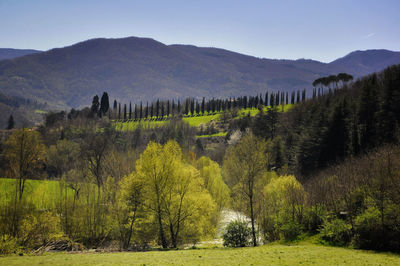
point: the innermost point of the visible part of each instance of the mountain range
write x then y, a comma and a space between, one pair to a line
142, 69
10, 53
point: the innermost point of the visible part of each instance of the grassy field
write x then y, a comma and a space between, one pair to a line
219, 134
42, 193
194, 121
273, 254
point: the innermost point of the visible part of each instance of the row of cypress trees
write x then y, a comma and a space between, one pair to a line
191, 107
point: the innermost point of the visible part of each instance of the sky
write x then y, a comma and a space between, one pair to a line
286, 29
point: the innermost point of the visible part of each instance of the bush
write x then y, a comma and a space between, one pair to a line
8, 245
291, 231
336, 232
371, 234
38, 230
237, 234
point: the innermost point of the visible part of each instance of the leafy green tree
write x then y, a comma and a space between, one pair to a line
210, 171
24, 154
244, 167
237, 234
173, 193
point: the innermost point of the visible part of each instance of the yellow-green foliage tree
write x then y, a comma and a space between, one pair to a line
25, 154
244, 169
173, 194
284, 205
210, 171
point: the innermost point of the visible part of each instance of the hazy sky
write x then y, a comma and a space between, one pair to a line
317, 29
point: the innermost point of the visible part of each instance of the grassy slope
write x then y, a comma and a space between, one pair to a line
194, 121
42, 193
273, 254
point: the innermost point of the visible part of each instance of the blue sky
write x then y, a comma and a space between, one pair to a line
317, 29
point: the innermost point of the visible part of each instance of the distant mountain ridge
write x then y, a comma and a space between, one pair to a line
142, 69
10, 53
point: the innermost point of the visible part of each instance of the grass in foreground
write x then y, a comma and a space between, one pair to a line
273, 254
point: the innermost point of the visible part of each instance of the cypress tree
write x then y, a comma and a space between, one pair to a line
95, 105
136, 112
277, 98
141, 111
168, 108
192, 107
119, 111
146, 114
115, 105
202, 105
10, 122
266, 98
179, 106
162, 110
104, 103
272, 99
151, 111
197, 108
124, 111
130, 110
157, 107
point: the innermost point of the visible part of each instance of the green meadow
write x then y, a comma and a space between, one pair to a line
270, 254
194, 121
44, 194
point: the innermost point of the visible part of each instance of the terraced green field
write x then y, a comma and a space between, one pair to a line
272, 254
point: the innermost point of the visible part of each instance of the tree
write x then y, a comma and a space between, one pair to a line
95, 105
210, 171
104, 103
244, 167
173, 192
10, 122
284, 203
25, 156
237, 234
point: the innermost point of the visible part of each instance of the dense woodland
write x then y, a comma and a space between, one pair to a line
329, 166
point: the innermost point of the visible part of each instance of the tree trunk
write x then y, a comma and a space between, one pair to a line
253, 231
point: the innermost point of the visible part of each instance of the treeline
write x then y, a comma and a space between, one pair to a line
343, 122
191, 107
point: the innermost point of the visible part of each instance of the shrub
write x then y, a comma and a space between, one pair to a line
37, 230
291, 231
8, 245
336, 232
371, 234
237, 234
